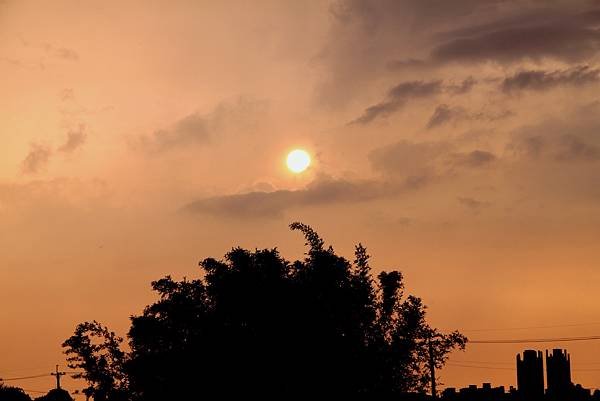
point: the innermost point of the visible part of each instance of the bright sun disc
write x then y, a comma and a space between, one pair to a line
298, 160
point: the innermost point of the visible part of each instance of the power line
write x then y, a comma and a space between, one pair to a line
25, 377
535, 340
22, 370
479, 367
483, 366
465, 361
554, 326
483, 362
69, 373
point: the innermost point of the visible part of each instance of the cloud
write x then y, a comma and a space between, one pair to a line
66, 54
372, 40
39, 155
52, 50
324, 190
474, 159
573, 148
197, 129
543, 80
67, 94
402, 93
405, 64
75, 139
190, 130
36, 160
530, 146
554, 147
464, 87
556, 160
40, 198
425, 160
443, 114
571, 137
397, 97
472, 204
408, 159
556, 32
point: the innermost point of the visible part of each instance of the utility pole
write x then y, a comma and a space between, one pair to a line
432, 368
58, 376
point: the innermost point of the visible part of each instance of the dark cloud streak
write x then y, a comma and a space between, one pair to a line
402, 93
322, 191
443, 114
543, 80
397, 97
571, 37
473, 159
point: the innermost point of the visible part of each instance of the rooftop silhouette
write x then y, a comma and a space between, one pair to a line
530, 382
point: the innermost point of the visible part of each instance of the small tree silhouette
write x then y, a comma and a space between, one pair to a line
256, 324
96, 351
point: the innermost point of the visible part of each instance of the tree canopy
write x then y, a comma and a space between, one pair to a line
255, 324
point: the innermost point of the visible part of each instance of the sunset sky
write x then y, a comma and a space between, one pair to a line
458, 140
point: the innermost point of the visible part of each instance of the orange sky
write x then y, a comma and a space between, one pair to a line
460, 143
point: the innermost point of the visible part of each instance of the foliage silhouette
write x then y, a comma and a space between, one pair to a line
256, 324
96, 351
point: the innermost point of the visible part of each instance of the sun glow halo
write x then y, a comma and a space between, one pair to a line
298, 160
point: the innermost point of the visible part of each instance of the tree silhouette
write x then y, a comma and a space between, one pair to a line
96, 351
256, 324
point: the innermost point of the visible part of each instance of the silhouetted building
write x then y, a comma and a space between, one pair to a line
473, 393
530, 379
530, 375
489, 393
558, 374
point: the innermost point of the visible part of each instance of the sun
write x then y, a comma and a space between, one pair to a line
298, 160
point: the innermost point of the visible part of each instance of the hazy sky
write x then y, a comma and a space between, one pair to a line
458, 140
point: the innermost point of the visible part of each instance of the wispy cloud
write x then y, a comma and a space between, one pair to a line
557, 32
397, 97
473, 159
322, 191
543, 80
201, 129
75, 139
402, 93
472, 203
36, 160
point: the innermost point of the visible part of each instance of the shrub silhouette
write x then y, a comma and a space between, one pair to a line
9, 393
56, 394
256, 324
